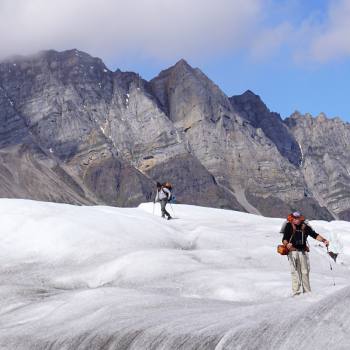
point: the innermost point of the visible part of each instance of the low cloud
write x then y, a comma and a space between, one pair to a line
166, 30
160, 29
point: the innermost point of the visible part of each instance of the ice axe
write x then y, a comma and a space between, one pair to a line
332, 255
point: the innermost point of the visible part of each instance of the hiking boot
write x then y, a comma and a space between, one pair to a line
169, 217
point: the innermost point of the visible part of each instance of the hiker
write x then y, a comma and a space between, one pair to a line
163, 196
295, 233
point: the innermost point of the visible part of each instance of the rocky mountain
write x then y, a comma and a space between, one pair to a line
73, 131
325, 145
252, 109
246, 156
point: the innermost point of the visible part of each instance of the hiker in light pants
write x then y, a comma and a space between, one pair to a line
295, 234
163, 195
300, 269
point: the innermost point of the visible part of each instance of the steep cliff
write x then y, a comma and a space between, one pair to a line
103, 130
325, 146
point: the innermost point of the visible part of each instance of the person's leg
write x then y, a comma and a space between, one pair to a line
162, 206
165, 211
294, 269
305, 271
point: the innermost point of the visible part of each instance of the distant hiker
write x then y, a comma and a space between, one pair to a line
163, 196
295, 233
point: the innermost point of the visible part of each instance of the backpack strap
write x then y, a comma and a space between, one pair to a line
303, 226
293, 232
291, 236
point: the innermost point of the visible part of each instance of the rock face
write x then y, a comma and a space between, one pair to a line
252, 109
247, 155
73, 131
325, 146
47, 100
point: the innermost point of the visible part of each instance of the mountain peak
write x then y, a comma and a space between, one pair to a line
179, 67
70, 57
65, 59
322, 117
248, 98
182, 63
296, 115
252, 97
249, 93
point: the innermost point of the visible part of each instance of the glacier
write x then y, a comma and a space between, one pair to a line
98, 277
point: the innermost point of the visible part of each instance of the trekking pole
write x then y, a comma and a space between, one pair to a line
172, 209
330, 265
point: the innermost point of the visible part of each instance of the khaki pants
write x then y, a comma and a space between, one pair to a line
300, 268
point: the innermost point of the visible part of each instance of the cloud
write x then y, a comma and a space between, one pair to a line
332, 37
161, 29
315, 35
166, 30
271, 40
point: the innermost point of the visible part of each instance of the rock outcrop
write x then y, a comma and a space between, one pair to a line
325, 147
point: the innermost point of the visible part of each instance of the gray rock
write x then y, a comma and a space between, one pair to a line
57, 101
252, 109
325, 145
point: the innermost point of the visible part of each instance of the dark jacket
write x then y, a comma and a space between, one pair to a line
300, 235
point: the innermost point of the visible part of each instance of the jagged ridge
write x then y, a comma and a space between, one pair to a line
99, 136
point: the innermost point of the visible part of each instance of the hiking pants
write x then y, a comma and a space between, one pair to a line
300, 268
163, 203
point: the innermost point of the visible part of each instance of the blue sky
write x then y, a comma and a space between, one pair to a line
295, 54
284, 84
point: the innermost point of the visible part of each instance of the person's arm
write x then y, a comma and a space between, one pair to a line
167, 192
288, 245
317, 236
322, 239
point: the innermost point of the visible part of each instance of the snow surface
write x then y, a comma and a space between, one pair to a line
123, 278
